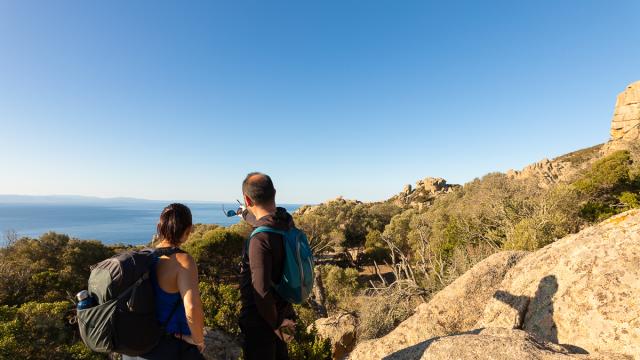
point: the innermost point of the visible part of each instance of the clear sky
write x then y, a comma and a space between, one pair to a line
179, 100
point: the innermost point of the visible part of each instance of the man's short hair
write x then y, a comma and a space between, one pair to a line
259, 188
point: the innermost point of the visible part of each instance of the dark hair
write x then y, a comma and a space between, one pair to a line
175, 219
259, 188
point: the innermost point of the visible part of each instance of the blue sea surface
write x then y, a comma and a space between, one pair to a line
127, 223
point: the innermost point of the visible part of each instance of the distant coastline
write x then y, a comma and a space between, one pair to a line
81, 199
116, 220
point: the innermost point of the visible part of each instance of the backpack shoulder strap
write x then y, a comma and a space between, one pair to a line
258, 230
261, 229
167, 251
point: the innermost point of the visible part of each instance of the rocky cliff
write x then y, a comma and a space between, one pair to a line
577, 296
625, 125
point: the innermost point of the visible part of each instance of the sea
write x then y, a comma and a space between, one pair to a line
111, 222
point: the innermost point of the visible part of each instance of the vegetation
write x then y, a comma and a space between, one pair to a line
40, 277
427, 247
406, 252
38, 280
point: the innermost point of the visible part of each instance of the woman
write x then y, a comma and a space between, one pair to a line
175, 281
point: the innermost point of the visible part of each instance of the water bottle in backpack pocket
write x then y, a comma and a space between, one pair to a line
85, 300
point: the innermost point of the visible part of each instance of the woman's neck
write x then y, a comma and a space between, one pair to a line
165, 243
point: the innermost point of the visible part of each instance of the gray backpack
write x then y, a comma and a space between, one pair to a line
124, 319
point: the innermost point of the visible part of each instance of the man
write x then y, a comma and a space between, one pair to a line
266, 320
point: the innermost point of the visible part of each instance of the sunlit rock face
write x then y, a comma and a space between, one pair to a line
625, 125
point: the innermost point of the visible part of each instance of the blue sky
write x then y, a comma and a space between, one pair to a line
179, 100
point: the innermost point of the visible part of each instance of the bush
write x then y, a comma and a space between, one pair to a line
307, 345
221, 305
608, 187
606, 175
341, 223
629, 200
51, 268
340, 285
381, 311
375, 248
217, 253
40, 331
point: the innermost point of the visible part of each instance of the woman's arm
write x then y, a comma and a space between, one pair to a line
188, 285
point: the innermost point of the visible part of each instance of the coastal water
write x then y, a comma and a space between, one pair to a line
128, 223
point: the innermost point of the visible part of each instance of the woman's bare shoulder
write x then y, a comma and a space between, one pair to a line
185, 260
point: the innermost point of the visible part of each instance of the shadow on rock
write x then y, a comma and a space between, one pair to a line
416, 351
535, 314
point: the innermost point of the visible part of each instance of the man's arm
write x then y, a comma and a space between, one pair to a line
261, 263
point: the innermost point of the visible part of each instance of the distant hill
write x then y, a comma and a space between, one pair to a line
83, 200
65, 199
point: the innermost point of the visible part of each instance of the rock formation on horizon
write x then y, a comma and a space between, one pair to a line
625, 125
424, 192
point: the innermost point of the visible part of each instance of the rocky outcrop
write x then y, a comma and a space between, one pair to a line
220, 346
424, 192
340, 329
455, 309
582, 290
546, 172
625, 125
495, 344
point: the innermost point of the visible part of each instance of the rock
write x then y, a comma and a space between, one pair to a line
494, 344
454, 309
340, 329
432, 185
582, 290
220, 346
547, 172
425, 192
625, 125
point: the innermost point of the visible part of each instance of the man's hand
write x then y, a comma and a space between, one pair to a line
286, 330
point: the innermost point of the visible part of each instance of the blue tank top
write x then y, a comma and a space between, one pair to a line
165, 302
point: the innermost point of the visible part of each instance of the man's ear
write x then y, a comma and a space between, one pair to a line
247, 200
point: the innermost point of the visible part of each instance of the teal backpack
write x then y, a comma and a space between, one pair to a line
297, 276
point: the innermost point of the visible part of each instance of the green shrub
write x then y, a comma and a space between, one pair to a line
307, 345
40, 331
51, 268
217, 253
375, 248
340, 285
629, 200
606, 175
341, 223
221, 305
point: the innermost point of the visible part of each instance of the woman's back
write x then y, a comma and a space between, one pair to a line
174, 276
169, 305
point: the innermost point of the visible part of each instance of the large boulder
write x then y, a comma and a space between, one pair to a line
582, 290
340, 329
454, 309
494, 344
